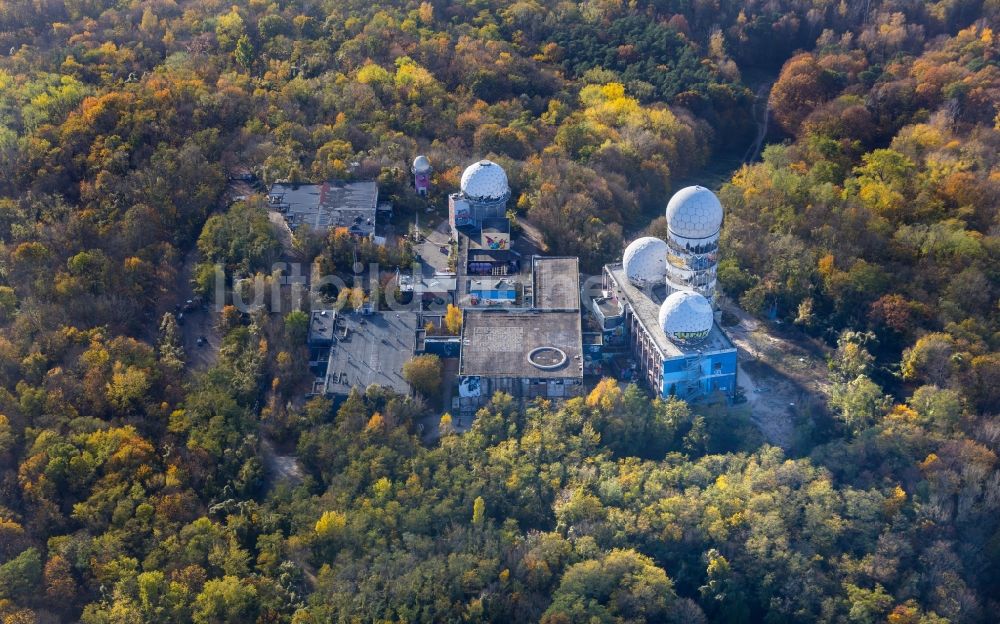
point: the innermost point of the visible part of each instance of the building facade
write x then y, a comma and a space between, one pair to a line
693, 370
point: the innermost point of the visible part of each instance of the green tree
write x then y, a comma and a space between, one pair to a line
20, 577
296, 327
620, 586
227, 600
423, 372
859, 403
478, 511
229, 29
244, 52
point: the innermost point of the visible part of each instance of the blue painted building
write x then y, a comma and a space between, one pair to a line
492, 291
692, 369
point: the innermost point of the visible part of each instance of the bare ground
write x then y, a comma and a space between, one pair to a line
280, 468
782, 380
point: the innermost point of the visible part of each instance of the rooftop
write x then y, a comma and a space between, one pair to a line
371, 349
350, 205
438, 285
492, 283
321, 325
609, 306
556, 282
645, 306
545, 345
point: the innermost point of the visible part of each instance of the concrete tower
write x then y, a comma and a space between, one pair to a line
484, 194
422, 175
694, 218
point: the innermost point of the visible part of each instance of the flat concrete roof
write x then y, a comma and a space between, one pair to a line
321, 325
645, 306
609, 306
371, 349
492, 283
556, 282
499, 344
350, 205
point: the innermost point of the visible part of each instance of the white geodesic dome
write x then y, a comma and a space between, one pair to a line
421, 164
645, 260
694, 212
686, 316
485, 180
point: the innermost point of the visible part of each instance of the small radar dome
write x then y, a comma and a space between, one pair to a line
421, 164
686, 317
694, 212
645, 260
484, 181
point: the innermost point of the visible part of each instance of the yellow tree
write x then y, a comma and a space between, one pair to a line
453, 319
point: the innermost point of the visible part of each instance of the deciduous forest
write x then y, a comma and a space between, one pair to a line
135, 488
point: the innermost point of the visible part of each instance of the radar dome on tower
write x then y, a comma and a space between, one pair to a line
694, 212
645, 260
421, 164
686, 317
485, 181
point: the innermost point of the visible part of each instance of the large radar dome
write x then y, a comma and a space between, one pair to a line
645, 260
694, 212
484, 181
421, 164
686, 317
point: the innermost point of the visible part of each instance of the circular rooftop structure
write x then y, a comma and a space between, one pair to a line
694, 212
547, 358
686, 317
645, 260
421, 164
485, 181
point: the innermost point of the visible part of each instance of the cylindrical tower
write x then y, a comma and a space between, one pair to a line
694, 218
484, 186
421, 174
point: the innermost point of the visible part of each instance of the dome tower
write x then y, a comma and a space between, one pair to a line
485, 182
694, 218
421, 174
484, 194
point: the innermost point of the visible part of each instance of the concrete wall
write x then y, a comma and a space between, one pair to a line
700, 376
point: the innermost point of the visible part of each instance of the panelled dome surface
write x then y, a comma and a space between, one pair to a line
421, 164
645, 260
694, 212
485, 180
686, 316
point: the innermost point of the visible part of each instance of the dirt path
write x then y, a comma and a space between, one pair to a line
762, 101
197, 323
281, 229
